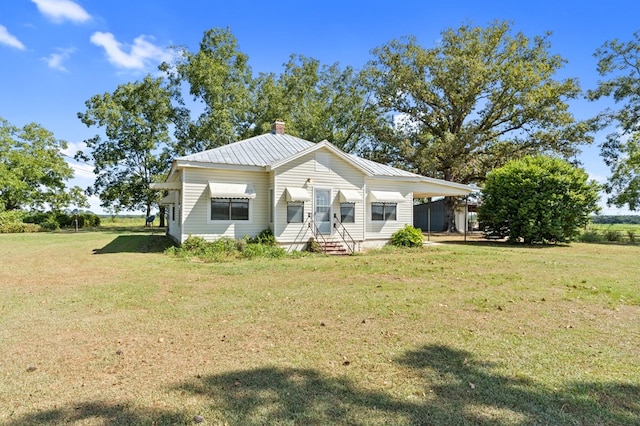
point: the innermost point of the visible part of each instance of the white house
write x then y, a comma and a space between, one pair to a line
298, 189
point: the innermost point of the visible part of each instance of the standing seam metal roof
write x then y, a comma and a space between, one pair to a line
257, 151
270, 148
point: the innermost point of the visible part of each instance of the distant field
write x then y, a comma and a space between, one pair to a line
123, 221
102, 328
629, 233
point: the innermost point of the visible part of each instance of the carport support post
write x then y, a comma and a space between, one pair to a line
429, 219
466, 219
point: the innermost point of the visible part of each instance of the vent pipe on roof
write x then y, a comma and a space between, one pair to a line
278, 127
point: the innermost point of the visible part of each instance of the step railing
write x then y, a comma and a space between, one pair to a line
309, 226
344, 234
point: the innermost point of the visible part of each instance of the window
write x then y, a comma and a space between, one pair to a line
347, 212
295, 212
383, 211
229, 209
173, 212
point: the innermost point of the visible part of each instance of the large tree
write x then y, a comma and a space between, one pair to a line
621, 150
316, 101
33, 172
136, 120
480, 97
219, 81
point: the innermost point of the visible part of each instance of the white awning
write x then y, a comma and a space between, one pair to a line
350, 196
386, 196
172, 198
297, 194
231, 190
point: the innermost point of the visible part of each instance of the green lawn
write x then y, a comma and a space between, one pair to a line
103, 328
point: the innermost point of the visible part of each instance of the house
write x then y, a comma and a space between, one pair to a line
296, 188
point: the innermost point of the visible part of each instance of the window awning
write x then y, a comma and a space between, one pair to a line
298, 194
172, 198
231, 190
386, 196
350, 196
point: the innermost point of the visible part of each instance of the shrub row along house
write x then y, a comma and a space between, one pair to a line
296, 188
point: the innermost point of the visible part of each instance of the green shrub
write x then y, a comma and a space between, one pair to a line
313, 246
265, 237
590, 237
613, 235
407, 237
537, 200
50, 224
87, 220
226, 248
66, 220
37, 218
18, 227
263, 250
52, 221
13, 216
631, 235
195, 245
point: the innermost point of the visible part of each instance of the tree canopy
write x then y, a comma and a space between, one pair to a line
621, 150
136, 119
536, 200
316, 101
219, 81
479, 98
33, 172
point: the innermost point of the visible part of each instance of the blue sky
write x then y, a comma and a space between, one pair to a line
56, 54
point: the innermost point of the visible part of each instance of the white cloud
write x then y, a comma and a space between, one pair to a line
8, 39
55, 60
60, 10
139, 54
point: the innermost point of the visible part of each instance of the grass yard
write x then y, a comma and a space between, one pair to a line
102, 328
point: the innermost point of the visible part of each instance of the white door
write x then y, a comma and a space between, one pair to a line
322, 211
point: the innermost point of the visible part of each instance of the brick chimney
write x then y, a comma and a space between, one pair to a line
278, 127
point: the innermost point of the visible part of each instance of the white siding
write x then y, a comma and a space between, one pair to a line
340, 175
196, 204
383, 230
173, 220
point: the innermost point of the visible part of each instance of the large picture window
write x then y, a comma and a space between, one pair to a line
295, 212
347, 212
383, 211
229, 209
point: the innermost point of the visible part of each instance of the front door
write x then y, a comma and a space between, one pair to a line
322, 216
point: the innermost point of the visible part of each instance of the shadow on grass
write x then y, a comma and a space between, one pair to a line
136, 244
456, 389
504, 244
141, 229
106, 413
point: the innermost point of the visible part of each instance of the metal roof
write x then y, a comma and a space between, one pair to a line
378, 169
259, 151
269, 148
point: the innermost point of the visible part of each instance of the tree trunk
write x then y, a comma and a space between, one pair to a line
449, 213
146, 222
163, 212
